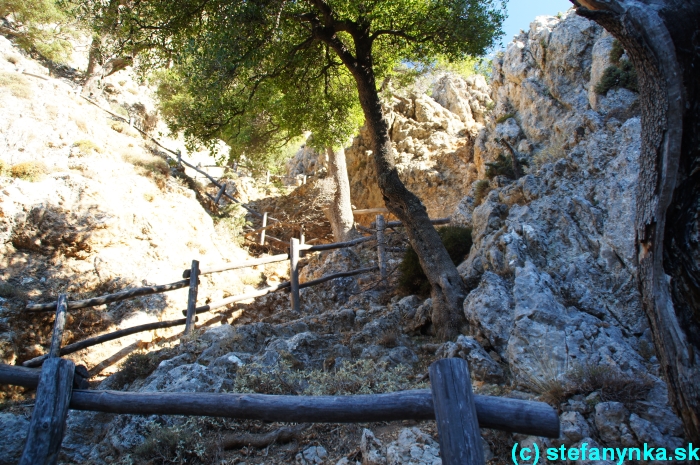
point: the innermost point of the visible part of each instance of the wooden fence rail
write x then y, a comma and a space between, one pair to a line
109, 298
84, 344
236, 266
526, 417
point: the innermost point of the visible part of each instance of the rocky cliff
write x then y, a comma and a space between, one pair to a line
554, 312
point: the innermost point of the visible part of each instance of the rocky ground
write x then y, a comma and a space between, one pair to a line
554, 313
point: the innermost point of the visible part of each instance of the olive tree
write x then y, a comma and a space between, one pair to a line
294, 43
662, 38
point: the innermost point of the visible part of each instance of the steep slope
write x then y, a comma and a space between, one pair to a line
88, 206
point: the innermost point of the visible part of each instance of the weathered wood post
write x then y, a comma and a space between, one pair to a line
52, 399
381, 247
267, 177
221, 192
179, 158
294, 273
262, 233
305, 178
302, 235
192, 297
455, 413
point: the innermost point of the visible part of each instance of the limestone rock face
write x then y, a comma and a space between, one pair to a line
553, 269
432, 137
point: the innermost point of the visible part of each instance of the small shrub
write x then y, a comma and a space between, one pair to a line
347, 378
612, 384
503, 166
17, 84
481, 190
86, 147
620, 74
504, 118
135, 366
29, 170
8, 291
149, 197
119, 110
151, 166
388, 339
170, 446
412, 280
231, 222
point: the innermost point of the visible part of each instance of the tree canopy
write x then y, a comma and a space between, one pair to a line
257, 74
308, 50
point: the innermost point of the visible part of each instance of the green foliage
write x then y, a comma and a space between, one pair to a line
503, 166
456, 239
620, 74
29, 170
481, 189
231, 221
257, 74
42, 25
504, 118
615, 76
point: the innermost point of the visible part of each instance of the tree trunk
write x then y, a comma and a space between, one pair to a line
662, 39
94, 68
448, 289
340, 211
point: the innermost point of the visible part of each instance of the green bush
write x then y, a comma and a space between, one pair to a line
412, 280
504, 118
503, 166
620, 74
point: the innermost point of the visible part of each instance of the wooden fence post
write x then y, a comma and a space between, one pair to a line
294, 273
302, 235
52, 399
381, 249
262, 233
267, 177
192, 298
221, 192
455, 413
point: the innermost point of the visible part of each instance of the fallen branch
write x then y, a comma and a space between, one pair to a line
280, 436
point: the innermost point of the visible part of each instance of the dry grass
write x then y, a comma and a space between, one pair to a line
481, 190
17, 84
87, 147
151, 166
358, 377
29, 170
3, 168
551, 153
555, 386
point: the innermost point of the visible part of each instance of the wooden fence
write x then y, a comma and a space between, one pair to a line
459, 414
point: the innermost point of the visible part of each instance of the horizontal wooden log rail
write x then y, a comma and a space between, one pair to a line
395, 224
525, 417
76, 346
367, 211
238, 298
342, 274
335, 245
236, 266
109, 298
